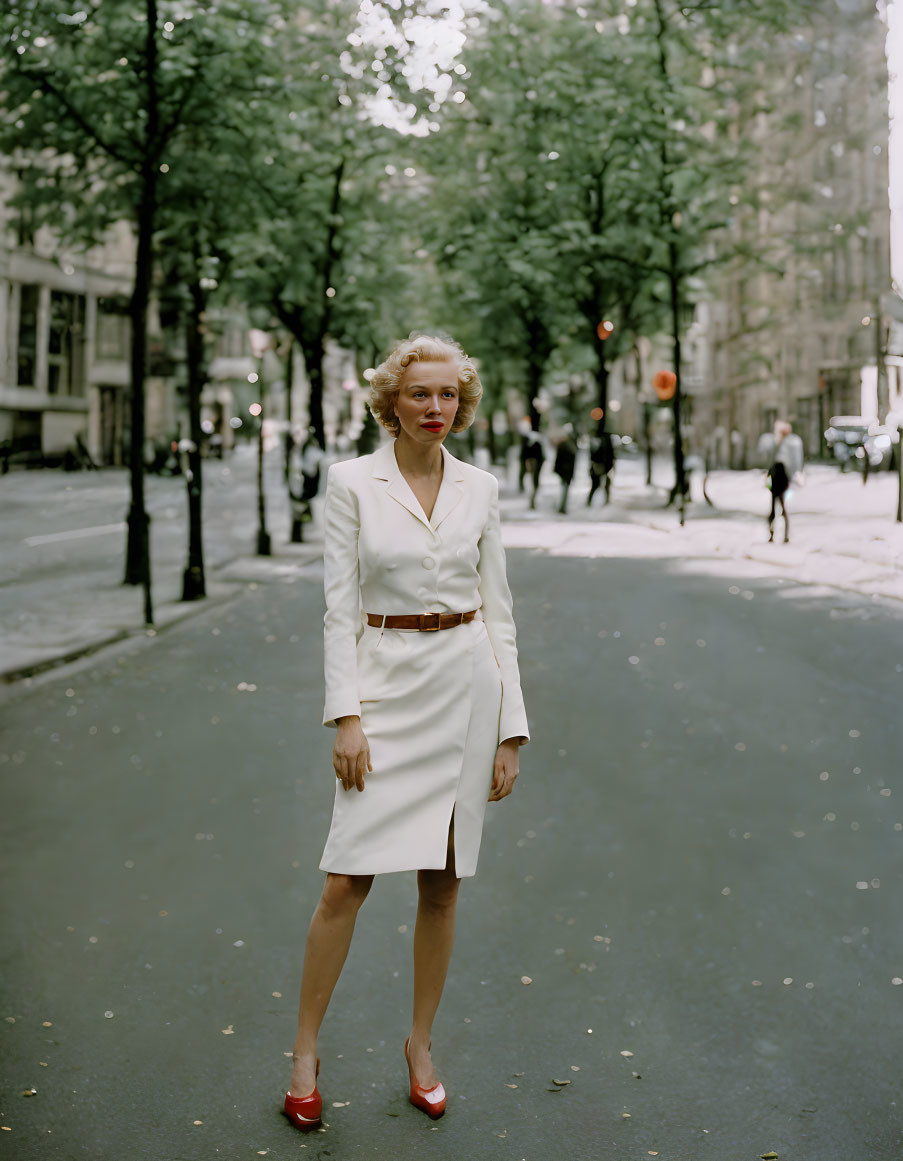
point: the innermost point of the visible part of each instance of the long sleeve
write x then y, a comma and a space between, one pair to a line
342, 622
499, 619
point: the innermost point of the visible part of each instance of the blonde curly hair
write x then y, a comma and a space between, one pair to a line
386, 380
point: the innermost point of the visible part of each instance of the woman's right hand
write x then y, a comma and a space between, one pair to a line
351, 753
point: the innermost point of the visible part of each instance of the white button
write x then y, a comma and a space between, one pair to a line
428, 562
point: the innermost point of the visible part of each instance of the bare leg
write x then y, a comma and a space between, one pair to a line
328, 940
786, 521
434, 937
771, 518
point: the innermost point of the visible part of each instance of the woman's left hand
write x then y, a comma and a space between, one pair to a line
505, 770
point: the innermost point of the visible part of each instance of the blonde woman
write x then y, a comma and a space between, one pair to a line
422, 687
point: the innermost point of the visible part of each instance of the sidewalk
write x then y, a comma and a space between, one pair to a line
63, 537
843, 533
61, 595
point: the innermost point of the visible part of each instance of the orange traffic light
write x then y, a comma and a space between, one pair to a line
665, 384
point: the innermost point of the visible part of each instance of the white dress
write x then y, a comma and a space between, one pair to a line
433, 705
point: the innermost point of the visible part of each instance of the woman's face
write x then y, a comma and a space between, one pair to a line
427, 401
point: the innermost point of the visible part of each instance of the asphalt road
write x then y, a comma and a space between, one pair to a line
700, 866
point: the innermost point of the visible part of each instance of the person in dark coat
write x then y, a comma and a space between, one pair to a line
601, 465
565, 460
532, 457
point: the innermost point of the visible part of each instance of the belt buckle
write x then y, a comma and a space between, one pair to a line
431, 628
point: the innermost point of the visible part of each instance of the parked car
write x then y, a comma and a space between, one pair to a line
860, 443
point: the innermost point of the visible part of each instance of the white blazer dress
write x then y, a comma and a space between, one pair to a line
433, 705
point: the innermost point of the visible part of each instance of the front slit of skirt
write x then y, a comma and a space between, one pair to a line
461, 770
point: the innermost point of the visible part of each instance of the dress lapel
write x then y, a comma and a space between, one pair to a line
450, 491
385, 467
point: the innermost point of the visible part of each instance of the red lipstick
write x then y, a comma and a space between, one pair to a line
433, 426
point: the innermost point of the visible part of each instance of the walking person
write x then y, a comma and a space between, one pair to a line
532, 457
565, 460
786, 463
422, 687
601, 465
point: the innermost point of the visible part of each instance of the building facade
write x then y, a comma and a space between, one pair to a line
794, 335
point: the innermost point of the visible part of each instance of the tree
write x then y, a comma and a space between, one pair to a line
96, 101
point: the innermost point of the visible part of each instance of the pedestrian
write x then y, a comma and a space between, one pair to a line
532, 457
565, 459
786, 463
304, 483
601, 465
422, 688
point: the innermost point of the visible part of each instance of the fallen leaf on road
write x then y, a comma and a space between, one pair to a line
769, 1157
627, 1052
526, 980
560, 1082
29, 1092
510, 1085
230, 1031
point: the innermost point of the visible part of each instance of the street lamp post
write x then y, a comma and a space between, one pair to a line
900, 472
260, 342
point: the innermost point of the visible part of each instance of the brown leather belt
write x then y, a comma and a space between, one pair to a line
425, 622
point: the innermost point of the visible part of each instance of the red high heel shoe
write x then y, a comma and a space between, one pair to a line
432, 1101
305, 1113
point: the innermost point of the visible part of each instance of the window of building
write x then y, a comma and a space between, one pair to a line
112, 335
66, 346
28, 334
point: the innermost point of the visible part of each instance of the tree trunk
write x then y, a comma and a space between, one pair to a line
289, 433
193, 584
314, 361
264, 546
137, 571
680, 483
646, 412
534, 383
601, 385
137, 568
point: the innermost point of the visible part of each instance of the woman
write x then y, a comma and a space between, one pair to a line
787, 463
422, 686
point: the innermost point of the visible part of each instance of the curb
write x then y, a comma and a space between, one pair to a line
8, 676
179, 611
191, 609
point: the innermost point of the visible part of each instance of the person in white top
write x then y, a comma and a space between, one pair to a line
422, 688
786, 465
